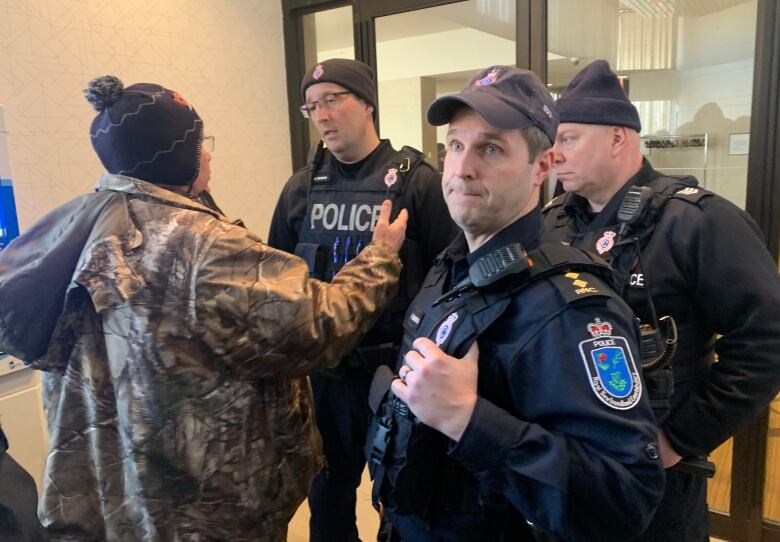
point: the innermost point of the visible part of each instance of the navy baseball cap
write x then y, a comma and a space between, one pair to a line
506, 97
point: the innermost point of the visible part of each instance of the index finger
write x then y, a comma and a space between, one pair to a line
425, 346
384, 212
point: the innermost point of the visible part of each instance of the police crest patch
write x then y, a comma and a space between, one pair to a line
606, 242
446, 327
391, 177
612, 373
318, 71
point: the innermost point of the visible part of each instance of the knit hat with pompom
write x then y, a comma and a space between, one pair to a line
145, 131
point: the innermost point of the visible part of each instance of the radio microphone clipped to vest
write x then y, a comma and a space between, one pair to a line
494, 266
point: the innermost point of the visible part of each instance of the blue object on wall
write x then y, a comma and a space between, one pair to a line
9, 224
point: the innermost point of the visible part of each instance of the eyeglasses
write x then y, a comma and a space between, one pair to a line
328, 101
209, 143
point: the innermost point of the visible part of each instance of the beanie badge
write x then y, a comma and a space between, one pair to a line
489, 79
318, 71
179, 99
547, 111
391, 177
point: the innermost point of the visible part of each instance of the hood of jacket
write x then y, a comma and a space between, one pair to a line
37, 269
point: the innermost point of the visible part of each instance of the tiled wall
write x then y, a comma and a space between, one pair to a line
225, 56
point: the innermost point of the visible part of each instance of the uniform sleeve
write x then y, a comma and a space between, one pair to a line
737, 290
288, 215
570, 463
430, 223
258, 311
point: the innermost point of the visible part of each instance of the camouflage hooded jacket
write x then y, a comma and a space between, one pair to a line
175, 347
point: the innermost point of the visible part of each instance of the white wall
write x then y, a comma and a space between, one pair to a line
226, 58
718, 38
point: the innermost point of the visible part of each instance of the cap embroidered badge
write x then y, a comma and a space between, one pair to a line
489, 79
318, 71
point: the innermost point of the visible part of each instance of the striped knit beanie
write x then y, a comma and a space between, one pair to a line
145, 131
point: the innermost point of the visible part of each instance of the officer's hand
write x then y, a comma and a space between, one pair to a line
387, 233
441, 390
669, 458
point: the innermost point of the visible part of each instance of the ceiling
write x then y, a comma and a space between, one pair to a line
680, 8
334, 27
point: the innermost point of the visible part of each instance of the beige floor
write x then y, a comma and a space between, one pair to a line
368, 521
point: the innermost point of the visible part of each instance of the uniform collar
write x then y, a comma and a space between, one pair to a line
577, 206
371, 163
525, 230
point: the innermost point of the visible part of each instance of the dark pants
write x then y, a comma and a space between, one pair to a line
343, 416
497, 527
18, 501
682, 515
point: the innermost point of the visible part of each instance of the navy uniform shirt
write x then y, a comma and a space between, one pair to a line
544, 439
706, 265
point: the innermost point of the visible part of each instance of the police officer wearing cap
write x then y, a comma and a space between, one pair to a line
694, 269
518, 411
326, 214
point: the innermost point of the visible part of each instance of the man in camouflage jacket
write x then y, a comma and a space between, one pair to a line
175, 344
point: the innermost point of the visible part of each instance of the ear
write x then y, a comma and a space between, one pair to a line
618, 139
542, 166
369, 109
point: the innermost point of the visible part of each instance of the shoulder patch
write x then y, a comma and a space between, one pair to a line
574, 286
610, 366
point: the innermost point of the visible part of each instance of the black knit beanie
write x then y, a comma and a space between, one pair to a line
595, 96
145, 131
353, 75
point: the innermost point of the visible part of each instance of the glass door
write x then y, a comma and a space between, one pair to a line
425, 53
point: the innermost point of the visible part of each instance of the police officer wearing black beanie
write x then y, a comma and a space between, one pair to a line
692, 266
325, 214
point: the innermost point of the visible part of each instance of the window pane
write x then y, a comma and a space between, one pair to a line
772, 487
688, 68
430, 52
719, 487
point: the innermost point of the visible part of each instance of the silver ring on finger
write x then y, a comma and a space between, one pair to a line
403, 372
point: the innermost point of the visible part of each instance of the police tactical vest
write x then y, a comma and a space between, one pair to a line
341, 213
407, 460
621, 251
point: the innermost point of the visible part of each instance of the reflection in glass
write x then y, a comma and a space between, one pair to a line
719, 487
426, 53
772, 487
689, 69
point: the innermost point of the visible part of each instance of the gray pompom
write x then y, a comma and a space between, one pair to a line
104, 91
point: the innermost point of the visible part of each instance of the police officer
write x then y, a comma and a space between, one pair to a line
326, 214
517, 354
691, 265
